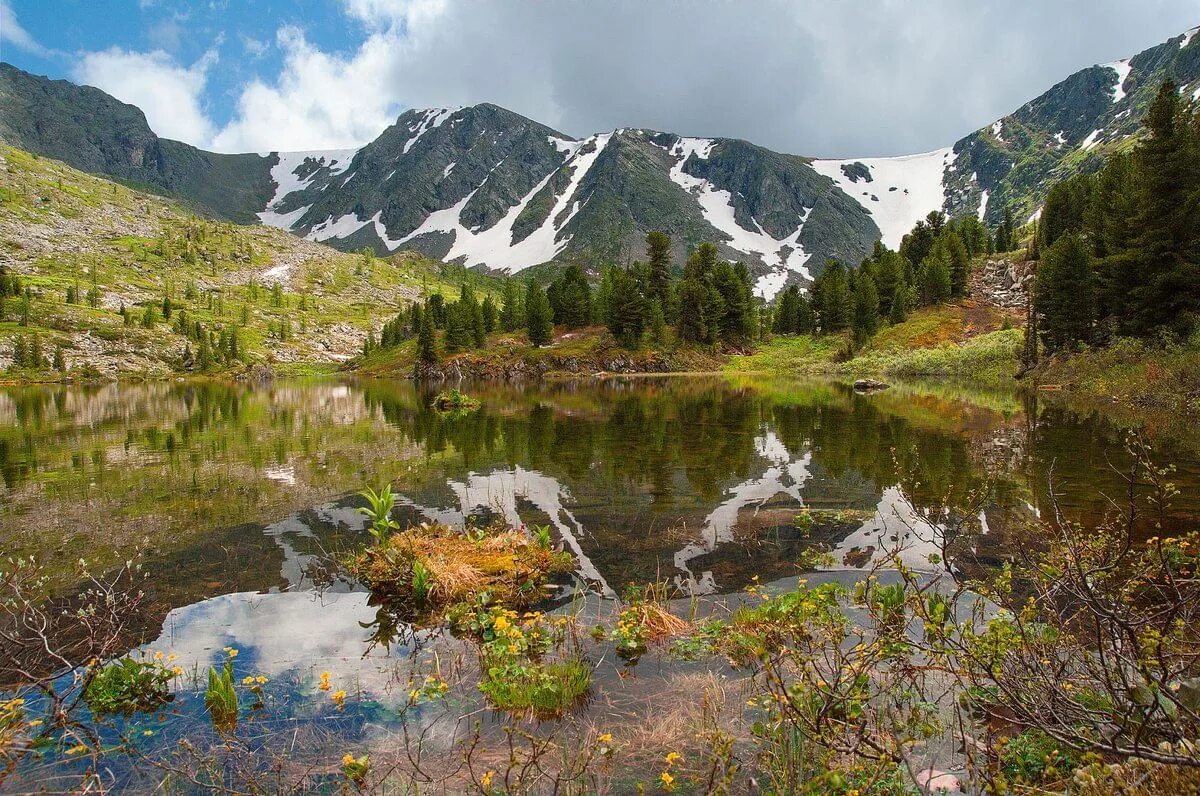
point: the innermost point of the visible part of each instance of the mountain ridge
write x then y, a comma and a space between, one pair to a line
490, 188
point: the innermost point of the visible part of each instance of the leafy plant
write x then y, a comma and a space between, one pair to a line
541, 536
422, 582
379, 511
129, 685
220, 697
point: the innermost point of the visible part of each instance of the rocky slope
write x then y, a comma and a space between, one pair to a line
488, 188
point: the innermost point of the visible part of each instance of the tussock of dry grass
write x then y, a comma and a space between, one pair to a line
458, 567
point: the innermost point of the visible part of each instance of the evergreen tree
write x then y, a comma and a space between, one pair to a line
866, 309
511, 315
20, 354
627, 308
539, 321
935, 276
427, 352
786, 311
734, 324
458, 327
488, 311
571, 298
658, 249
898, 313
889, 276
60, 359
832, 299
960, 263
693, 325
1064, 293
656, 323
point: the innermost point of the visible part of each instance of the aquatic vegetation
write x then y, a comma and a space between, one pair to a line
379, 511
546, 690
455, 401
221, 698
129, 685
356, 768
645, 618
425, 570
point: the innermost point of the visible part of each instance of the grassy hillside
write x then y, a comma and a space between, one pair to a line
294, 304
967, 339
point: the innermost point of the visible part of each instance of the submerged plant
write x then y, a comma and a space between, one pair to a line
546, 690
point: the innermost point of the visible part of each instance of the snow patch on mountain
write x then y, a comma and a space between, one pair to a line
1122, 68
782, 255
494, 246
1092, 139
997, 129
903, 189
285, 175
1188, 36
983, 200
431, 118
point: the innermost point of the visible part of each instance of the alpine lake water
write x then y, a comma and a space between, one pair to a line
239, 497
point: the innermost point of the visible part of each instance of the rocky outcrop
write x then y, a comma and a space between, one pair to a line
1004, 282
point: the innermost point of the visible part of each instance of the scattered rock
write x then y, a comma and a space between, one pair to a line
870, 385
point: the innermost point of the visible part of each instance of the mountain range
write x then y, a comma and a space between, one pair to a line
492, 189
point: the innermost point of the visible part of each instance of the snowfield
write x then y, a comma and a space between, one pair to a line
284, 174
494, 246
1122, 68
903, 190
782, 255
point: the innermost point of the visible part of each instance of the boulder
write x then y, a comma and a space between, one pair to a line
869, 385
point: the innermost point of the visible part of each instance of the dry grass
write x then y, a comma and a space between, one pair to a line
503, 562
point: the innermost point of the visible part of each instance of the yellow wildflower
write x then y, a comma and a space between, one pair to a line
158, 656
324, 686
672, 758
605, 738
261, 680
76, 750
177, 671
668, 781
171, 657
486, 779
248, 680
347, 759
339, 698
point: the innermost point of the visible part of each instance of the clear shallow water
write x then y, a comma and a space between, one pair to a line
236, 494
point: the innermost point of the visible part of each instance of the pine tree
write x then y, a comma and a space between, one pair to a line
511, 315
693, 325
658, 253
899, 309
734, 323
832, 300
960, 263
20, 352
866, 309
935, 276
1064, 294
427, 352
488, 310
458, 329
539, 321
656, 323
627, 310
570, 298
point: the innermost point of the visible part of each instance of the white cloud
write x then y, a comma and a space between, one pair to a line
382, 14
12, 32
319, 100
805, 76
169, 94
255, 48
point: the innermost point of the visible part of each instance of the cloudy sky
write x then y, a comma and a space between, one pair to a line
815, 77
